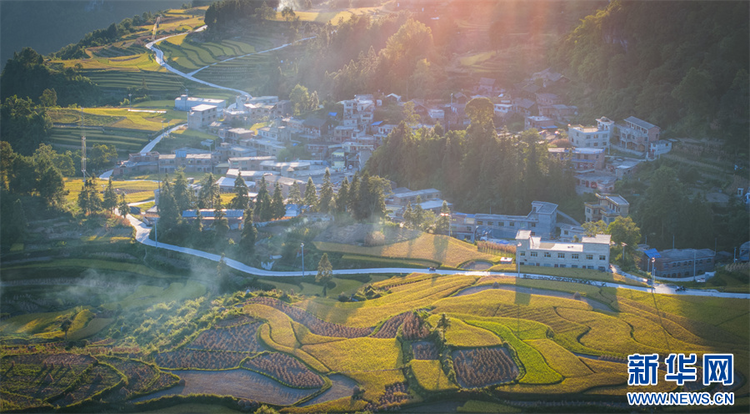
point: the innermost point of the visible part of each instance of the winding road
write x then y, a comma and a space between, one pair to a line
142, 232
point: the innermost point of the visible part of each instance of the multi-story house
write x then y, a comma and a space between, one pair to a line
542, 220
201, 116
678, 262
582, 160
591, 136
590, 253
607, 208
635, 135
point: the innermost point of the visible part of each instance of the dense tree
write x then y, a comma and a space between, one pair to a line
408, 215
109, 201
169, 213
353, 194
625, 233
88, 199
209, 192
295, 195
48, 98
443, 223
592, 228
220, 224
101, 156
300, 99
325, 272
277, 202
122, 206
249, 232
326, 202
311, 195
23, 125
241, 199
263, 202
342, 197
183, 195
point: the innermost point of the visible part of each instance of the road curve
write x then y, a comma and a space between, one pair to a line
142, 232
160, 60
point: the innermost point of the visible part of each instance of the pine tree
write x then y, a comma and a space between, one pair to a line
409, 216
325, 204
342, 198
325, 272
198, 223
444, 223
249, 232
182, 194
220, 224
122, 206
353, 195
110, 197
295, 195
169, 213
311, 195
241, 198
262, 201
89, 200
208, 192
277, 203
418, 214
362, 210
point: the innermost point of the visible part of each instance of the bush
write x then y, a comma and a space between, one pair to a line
375, 238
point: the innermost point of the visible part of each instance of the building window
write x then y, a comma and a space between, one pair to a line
708, 260
523, 253
666, 265
547, 254
501, 223
533, 225
574, 266
489, 223
562, 265
512, 224
533, 254
589, 257
561, 255
602, 257
480, 222
574, 256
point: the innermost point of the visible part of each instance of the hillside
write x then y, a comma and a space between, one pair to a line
80, 17
680, 65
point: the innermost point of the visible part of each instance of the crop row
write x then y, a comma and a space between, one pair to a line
414, 328
480, 367
140, 377
315, 325
424, 350
93, 382
188, 358
239, 338
394, 395
286, 369
41, 376
389, 329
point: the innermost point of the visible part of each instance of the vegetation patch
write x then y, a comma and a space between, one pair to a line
347, 356
480, 367
430, 375
236, 338
192, 359
285, 369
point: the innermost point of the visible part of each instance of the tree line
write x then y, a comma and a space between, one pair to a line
475, 167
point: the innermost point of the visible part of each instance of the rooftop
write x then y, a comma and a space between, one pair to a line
639, 122
203, 107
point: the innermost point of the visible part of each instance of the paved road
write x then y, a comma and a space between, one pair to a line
160, 61
142, 232
149, 147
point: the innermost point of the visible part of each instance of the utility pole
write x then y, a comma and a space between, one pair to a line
694, 272
302, 245
83, 149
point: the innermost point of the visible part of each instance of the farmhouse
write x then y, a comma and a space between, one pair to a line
185, 103
591, 136
591, 253
234, 217
202, 115
542, 219
678, 262
607, 208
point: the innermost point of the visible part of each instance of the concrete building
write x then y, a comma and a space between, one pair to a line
249, 163
234, 217
678, 262
542, 220
591, 136
185, 103
581, 159
635, 135
590, 253
402, 196
607, 208
201, 116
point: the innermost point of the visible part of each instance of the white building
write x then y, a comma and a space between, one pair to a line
591, 136
201, 116
591, 253
185, 103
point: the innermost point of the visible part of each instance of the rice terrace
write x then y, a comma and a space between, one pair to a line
286, 206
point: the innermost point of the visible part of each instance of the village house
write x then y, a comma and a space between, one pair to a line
591, 136
249, 163
137, 162
542, 220
590, 253
677, 262
581, 159
185, 103
523, 106
607, 208
200, 116
635, 135
233, 216
540, 123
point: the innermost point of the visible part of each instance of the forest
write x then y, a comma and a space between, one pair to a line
474, 167
680, 65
